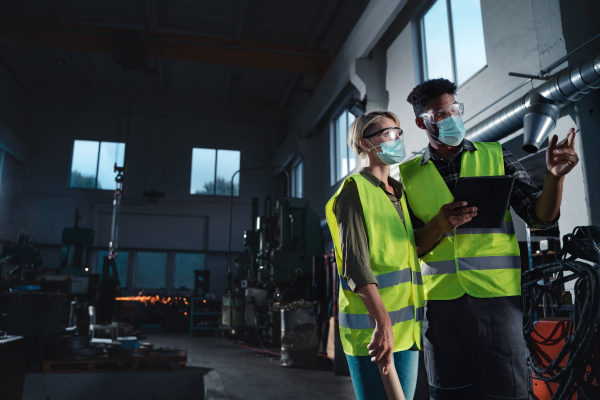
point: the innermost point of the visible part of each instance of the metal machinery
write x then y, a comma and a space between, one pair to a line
276, 265
563, 345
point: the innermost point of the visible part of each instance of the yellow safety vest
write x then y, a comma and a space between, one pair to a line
395, 264
480, 262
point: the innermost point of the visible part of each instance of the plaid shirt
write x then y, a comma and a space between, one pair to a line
522, 199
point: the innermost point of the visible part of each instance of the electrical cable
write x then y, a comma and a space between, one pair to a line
573, 377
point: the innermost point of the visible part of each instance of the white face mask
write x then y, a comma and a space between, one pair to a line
452, 130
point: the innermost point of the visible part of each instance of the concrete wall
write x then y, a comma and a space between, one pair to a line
158, 158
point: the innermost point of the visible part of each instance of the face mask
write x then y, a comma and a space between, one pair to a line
452, 130
391, 152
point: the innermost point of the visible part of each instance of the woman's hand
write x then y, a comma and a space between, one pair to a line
382, 342
382, 345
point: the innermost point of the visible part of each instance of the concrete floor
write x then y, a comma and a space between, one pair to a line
247, 376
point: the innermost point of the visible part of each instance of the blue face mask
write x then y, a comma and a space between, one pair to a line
452, 130
391, 152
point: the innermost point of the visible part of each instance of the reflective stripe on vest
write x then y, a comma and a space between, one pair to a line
388, 280
364, 321
480, 262
394, 263
470, 264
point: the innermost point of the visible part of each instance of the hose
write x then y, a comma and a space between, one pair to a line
572, 378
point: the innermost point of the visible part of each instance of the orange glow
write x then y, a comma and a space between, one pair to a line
204, 301
154, 299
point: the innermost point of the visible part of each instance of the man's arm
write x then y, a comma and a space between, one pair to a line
451, 216
560, 160
382, 342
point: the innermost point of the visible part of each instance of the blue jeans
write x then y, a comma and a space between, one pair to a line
367, 381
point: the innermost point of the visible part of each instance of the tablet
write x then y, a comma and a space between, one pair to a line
490, 194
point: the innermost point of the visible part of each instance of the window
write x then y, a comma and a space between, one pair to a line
212, 171
344, 159
122, 262
298, 179
93, 164
185, 265
151, 270
452, 36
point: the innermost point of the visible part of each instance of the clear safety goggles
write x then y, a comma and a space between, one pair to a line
456, 109
387, 134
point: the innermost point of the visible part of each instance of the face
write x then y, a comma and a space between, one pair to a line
385, 136
432, 106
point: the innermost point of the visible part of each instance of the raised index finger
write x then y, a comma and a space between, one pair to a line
571, 140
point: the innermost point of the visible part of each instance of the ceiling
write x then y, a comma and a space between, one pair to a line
311, 24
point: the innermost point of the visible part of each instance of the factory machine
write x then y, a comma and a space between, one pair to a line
561, 332
276, 266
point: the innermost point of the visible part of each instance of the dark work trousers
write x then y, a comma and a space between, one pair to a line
475, 349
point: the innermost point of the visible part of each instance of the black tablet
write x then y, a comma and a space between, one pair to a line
490, 194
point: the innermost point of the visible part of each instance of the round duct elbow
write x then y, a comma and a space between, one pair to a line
538, 121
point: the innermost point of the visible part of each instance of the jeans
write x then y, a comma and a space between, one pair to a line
367, 381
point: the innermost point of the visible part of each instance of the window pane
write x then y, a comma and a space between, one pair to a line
151, 270
436, 39
228, 161
299, 179
185, 265
468, 38
342, 146
110, 153
351, 153
85, 161
122, 261
203, 171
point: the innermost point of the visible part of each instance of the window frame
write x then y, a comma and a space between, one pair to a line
216, 172
423, 44
97, 163
334, 146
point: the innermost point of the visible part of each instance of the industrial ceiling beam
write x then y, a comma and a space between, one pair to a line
164, 45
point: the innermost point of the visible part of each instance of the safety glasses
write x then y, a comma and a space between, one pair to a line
387, 134
456, 109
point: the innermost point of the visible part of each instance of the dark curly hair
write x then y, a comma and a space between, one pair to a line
428, 90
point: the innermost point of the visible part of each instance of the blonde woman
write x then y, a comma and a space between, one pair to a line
381, 293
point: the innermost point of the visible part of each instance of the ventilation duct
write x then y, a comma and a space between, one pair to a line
538, 110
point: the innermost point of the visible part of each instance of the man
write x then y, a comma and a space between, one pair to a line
473, 333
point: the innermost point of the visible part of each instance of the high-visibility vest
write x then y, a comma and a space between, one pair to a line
394, 263
480, 262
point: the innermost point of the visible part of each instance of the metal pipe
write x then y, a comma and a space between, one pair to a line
537, 111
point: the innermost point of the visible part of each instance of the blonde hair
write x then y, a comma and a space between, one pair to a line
362, 123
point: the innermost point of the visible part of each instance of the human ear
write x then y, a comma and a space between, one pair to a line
364, 145
420, 123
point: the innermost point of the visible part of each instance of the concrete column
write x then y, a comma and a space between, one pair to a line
368, 76
579, 26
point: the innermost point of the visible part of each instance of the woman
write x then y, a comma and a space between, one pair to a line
381, 295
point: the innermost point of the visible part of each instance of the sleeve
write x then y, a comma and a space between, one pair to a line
524, 195
354, 243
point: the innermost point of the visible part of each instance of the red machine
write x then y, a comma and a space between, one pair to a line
547, 339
